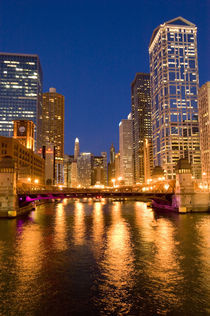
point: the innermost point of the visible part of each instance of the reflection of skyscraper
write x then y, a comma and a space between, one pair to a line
20, 91
53, 128
126, 150
204, 123
76, 149
141, 115
174, 88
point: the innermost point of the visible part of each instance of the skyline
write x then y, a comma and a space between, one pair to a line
97, 54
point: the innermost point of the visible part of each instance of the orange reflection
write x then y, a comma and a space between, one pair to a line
145, 221
79, 223
60, 228
118, 264
98, 225
29, 264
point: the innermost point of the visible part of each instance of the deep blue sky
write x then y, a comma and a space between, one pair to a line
90, 51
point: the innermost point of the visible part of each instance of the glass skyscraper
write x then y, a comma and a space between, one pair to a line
141, 116
20, 91
174, 89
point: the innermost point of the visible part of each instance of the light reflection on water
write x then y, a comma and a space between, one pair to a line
100, 258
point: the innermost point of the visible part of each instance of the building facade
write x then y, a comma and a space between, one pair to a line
98, 170
30, 166
20, 91
111, 166
141, 116
174, 92
126, 150
85, 169
204, 125
53, 128
24, 131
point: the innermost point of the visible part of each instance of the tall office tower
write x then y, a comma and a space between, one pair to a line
68, 160
148, 159
24, 132
85, 169
204, 125
126, 150
111, 166
53, 128
98, 170
117, 166
76, 149
104, 155
20, 91
174, 89
141, 116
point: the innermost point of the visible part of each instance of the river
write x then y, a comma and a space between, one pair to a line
104, 258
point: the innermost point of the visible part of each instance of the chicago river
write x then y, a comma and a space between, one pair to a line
104, 258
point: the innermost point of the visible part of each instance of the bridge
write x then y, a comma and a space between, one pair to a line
27, 197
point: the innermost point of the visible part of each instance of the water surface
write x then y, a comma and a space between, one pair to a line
100, 258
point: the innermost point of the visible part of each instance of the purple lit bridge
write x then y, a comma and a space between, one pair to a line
26, 197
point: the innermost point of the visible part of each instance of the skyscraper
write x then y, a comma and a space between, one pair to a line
85, 169
174, 89
76, 149
20, 91
53, 128
111, 165
204, 124
141, 116
126, 150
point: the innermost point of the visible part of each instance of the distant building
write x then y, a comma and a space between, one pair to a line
98, 170
68, 160
20, 91
126, 150
174, 93
24, 132
74, 174
53, 128
85, 169
204, 125
47, 152
104, 155
117, 166
142, 127
111, 166
76, 149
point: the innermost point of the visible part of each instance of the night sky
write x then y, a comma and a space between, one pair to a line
90, 51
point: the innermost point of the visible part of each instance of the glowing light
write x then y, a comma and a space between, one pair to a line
36, 181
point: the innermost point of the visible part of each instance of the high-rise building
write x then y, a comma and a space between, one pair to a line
204, 124
68, 160
104, 155
141, 116
174, 92
76, 149
20, 91
98, 170
117, 166
24, 132
111, 166
85, 169
53, 128
126, 150
148, 159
